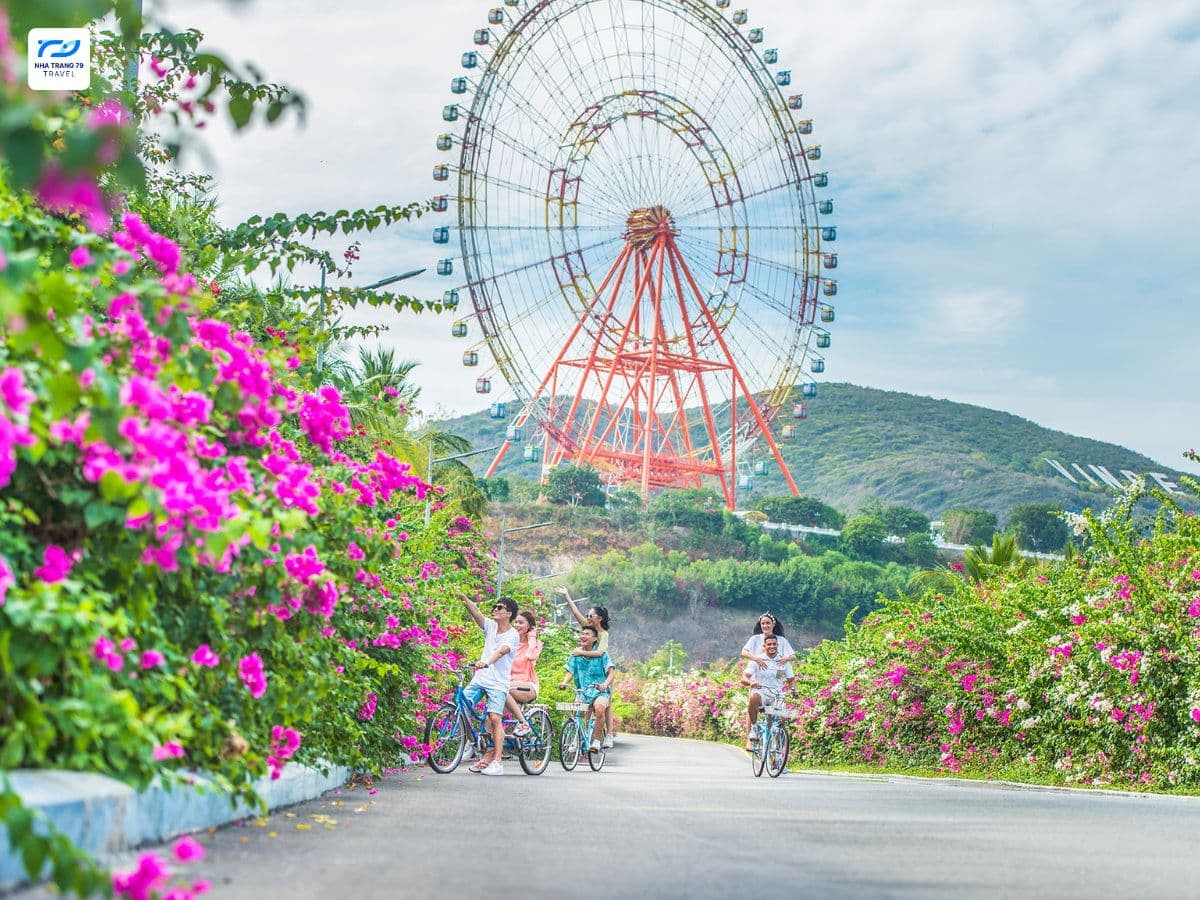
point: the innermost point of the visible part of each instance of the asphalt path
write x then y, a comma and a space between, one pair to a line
674, 818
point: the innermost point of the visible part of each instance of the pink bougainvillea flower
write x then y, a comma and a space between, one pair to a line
149, 877
957, 567
205, 657
1196, 714
16, 396
169, 750
7, 579
250, 670
367, 711
56, 564
284, 744
80, 257
77, 194
108, 113
151, 659
188, 849
968, 682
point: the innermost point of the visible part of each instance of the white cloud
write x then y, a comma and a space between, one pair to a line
1032, 168
982, 316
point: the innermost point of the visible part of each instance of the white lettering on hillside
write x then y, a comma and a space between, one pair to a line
1099, 475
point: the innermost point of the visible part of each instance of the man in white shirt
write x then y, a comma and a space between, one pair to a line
767, 680
492, 675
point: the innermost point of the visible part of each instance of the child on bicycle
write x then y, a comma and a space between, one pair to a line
767, 681
593, 678
492, 675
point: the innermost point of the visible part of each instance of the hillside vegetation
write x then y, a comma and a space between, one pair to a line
929, 454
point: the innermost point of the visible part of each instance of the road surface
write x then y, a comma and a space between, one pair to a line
673, 818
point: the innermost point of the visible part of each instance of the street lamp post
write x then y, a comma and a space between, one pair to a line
432, 461
500, 561
392, 279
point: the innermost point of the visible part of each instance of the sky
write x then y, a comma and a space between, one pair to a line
1017, 186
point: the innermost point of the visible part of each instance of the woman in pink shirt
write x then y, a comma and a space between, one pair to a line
524, 685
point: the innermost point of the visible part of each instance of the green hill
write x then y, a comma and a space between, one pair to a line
929, 454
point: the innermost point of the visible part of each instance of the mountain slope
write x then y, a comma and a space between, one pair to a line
929, 454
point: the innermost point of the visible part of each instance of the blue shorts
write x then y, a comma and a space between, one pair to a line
495, 697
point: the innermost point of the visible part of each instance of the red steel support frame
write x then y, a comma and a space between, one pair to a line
636, 378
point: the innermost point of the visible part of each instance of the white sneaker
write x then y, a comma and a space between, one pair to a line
607, 743
492, 768
595, 747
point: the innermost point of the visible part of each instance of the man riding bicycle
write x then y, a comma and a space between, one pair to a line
492, 675
593, 677
767, 681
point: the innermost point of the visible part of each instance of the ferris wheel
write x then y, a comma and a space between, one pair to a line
639, 236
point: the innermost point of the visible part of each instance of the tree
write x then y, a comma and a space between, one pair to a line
668, 659
800, 511
863, 536
979, 563
1039, 526
576, 485
495, 488
902, 520
920, 549
969, 526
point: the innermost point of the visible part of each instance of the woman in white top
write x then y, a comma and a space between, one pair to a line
753, 648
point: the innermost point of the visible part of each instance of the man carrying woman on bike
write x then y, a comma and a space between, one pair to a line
593, 678
767, 680
492, 676
597, 617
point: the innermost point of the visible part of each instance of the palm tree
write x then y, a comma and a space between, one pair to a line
387, 420
979, 563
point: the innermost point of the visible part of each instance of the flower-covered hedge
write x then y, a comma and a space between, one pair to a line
204, 563
1083, 672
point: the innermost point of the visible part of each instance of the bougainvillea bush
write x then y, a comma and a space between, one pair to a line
204, 565
1083, 672
705, 705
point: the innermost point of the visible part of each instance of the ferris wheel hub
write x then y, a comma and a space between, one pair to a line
646, 225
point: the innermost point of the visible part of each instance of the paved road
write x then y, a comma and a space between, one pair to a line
685, 819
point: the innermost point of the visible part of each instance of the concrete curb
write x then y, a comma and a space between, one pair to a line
103, 816
999, 785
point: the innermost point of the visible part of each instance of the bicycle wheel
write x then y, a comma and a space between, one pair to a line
568, 744
595, 757
777, 750
445, 735
758, 756
534, 748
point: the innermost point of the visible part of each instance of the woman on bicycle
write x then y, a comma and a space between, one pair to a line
523, 687
597, 618
764, 627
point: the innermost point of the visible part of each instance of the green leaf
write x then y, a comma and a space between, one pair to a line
240, 110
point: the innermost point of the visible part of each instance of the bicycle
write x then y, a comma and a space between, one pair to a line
772, 741
456, 722
576, 733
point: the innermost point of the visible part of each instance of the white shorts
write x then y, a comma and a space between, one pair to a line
770, 696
